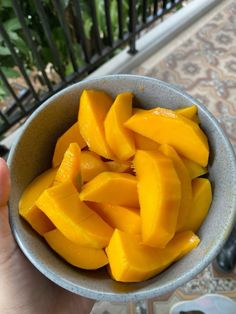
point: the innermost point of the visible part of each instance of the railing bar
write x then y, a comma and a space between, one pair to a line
28, 37
58, 7
4, 118
132, 25
80, 29
108, 22
17, 60
48, 34
10, 89
144, 13
95, 26
164, 4
155, 7
120, 18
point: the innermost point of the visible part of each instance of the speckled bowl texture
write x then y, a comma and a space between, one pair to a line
32, 154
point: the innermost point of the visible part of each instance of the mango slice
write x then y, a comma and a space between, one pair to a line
27, 208
119, 138
137, 110
69, 169
123, 218
202, 198
91, 165
79, 256
159, 192
78, 223
186, 186
72, 135
132, 261
112, 188
194, 169
144, 143
167, 127
94, 106
189, 112
119, 166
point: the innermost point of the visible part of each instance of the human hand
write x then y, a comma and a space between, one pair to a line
23, 289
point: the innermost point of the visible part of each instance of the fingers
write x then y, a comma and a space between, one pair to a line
4, 183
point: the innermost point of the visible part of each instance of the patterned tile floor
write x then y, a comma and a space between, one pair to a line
202, 61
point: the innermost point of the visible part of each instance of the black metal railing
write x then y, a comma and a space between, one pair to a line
46, 45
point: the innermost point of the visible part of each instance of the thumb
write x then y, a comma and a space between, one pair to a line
4, 193
4, 183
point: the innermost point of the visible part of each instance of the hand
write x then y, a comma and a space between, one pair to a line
23, 289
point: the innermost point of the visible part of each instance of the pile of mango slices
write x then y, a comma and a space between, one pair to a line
125, 188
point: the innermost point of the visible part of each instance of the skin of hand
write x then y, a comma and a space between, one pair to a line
23, 289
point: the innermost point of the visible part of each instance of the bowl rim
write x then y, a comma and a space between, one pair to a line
150, 292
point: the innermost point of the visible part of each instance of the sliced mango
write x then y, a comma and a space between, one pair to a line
112, 188
119, 138
132, 261
159, 192
79, 256
123, 218
202, 198
69, 169
119, 166
194, 169
73, 218
91, 165
27, 208
94, 106
189, 112
186, 186
144, 143
167, 127
72, 135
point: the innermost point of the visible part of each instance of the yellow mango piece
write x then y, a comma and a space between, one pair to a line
38, 220
189, 112
75, 220
94, 106
123, 218
79, 256
119, 166
132, 261
167, 127
27, 208
202, 198
186, 186
144, 143
72, 135
119, 138
159, 192
91, 165
194, 169
69, 169
112, 188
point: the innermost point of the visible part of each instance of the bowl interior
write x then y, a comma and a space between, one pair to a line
33, 153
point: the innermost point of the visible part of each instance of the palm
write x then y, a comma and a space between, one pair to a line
23, 288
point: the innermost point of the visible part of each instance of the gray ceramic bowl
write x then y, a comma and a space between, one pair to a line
32, 154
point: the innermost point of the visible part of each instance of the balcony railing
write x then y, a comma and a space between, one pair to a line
46, 45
